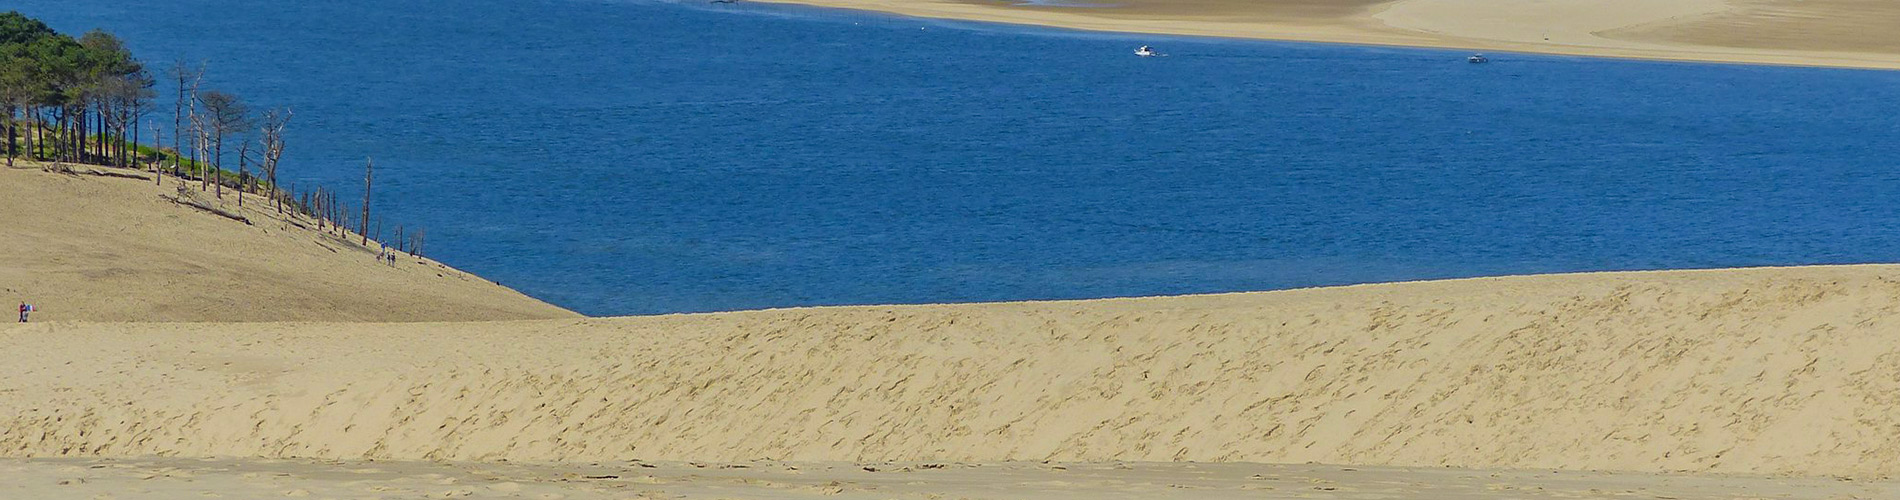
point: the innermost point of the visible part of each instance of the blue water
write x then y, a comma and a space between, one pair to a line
628, 157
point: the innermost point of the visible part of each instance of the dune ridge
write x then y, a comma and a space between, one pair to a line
1771, 371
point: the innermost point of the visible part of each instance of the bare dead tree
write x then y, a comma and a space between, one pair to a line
182, 74
272, 137
244, 170
369, 169
317, 208
200, 145
158, 140
226, 115
186, 109
136, 110
329, 208
336, 215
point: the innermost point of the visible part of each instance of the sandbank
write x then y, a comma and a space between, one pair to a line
1832, 33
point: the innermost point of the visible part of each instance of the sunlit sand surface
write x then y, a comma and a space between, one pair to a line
181, 479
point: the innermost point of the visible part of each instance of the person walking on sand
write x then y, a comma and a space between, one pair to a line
24, 309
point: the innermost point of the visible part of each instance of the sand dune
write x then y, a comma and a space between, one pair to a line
90, 248
1843, 33
1764, 371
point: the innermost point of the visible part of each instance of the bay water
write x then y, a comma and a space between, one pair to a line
637, 157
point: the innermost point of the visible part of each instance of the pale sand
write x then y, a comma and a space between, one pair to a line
1841, 33
109, 249
1761, 371
195, 479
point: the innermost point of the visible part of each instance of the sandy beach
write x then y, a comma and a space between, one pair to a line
1834, 33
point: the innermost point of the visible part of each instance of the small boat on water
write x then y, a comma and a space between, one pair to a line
1477, 59
1146, 51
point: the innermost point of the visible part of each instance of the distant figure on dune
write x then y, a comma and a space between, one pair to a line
24, 309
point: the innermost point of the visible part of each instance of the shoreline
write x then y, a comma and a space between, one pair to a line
1423, 24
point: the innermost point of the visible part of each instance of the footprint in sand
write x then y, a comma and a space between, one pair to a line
828, 489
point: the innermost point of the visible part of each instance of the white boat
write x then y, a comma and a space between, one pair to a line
1477, 59
1146, 51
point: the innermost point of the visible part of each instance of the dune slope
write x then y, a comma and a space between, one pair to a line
1792, 370
88, 248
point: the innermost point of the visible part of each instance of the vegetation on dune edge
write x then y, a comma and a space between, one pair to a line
88, 100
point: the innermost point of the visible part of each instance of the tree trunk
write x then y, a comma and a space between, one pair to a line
12, 126
158, 142
369, 169
59, 134
28, 136
217, 162
178, 125
133, 147
244, 172
39, 134
99, 140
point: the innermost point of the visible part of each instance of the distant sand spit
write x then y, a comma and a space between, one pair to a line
1838, 33
1772, 371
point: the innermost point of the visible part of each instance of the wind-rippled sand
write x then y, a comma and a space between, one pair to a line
1767, 371
176, 478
